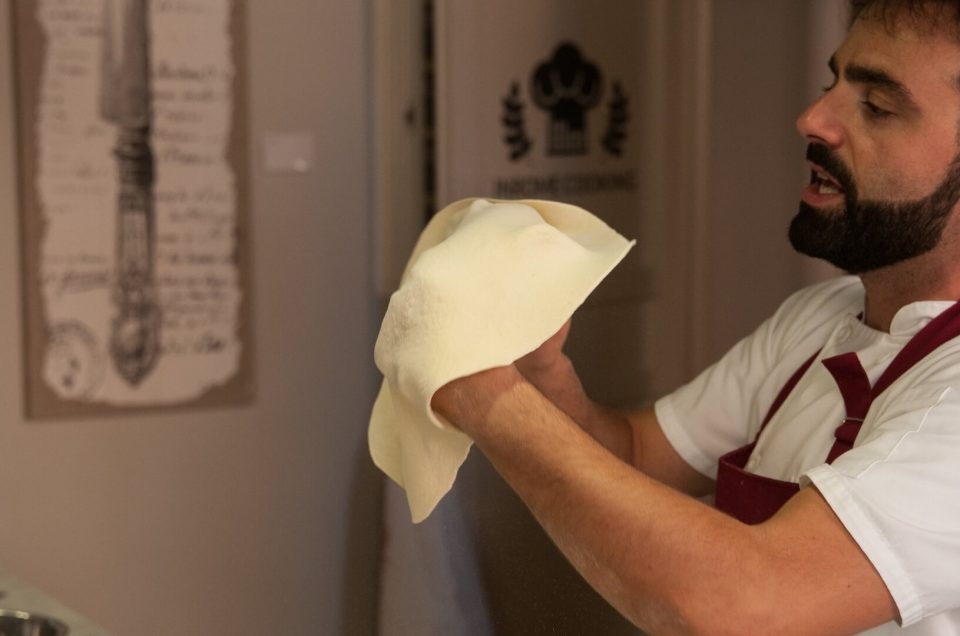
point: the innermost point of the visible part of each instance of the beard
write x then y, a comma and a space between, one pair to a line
868, 235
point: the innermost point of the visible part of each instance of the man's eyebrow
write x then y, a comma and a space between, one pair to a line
860, 74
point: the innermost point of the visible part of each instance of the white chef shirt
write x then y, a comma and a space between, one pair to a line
898, 490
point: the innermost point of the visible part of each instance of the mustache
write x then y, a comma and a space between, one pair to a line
831, 162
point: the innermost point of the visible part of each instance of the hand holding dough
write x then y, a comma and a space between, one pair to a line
488, 282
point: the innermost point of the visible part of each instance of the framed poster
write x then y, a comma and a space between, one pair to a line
135, 250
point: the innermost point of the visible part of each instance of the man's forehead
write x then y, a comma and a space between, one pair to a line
923, 15
915, 21
903, 52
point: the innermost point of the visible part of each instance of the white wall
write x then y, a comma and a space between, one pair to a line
252, 520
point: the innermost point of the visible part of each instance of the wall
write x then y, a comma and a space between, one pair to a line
258, 519
768, 62
262, 519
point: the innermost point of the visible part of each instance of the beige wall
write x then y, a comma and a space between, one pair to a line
768, 62
250, 520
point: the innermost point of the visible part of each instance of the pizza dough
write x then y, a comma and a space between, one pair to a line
487, 283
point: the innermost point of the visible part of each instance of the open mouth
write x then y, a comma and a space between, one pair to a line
823, 181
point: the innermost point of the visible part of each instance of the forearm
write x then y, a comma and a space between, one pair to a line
609, 520
635, 438
560, 384
665, 560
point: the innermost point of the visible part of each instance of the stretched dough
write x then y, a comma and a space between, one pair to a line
487, 283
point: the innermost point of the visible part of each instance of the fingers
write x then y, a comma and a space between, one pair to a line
546, 355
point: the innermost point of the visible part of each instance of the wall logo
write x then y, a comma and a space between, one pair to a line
566, 87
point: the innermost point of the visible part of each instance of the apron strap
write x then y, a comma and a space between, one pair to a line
854, 384
857, 396
785, 391
941, 329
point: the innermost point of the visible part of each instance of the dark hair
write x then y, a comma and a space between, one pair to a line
928, 15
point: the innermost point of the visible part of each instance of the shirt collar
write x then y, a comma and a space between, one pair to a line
911, 318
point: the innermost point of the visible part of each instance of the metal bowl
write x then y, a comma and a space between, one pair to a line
20, 623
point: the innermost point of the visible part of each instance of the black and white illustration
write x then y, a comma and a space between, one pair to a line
565, 87
131, 200
125, 102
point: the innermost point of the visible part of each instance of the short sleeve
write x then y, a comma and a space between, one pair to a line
898, 494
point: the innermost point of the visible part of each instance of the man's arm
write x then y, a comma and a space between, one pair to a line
668, 562
635, 437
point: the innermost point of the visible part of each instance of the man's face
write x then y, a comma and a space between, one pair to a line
883, 154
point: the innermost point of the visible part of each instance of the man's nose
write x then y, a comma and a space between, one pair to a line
819, 122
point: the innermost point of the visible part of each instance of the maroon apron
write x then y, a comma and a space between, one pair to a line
753, 498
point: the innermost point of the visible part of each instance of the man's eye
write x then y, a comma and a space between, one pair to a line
829, 86
873, 111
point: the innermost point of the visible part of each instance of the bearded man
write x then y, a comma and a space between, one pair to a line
830, 437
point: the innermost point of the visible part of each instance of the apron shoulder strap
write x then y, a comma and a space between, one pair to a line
786, 390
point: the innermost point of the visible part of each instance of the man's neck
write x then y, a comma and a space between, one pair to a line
891, 288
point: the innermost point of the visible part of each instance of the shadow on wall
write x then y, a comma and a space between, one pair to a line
531, 588
361, 576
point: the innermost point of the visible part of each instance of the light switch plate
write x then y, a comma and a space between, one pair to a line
292, 152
